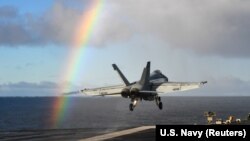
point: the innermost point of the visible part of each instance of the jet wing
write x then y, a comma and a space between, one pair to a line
177, 86
103, 91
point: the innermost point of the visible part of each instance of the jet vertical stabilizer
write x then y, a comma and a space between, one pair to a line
145, 75
124, 79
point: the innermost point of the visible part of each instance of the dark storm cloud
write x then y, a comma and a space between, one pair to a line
14, 34
211, 27
218, 27
56, 26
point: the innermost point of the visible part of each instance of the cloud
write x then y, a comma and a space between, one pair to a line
229, 86
11, 30
44, 88
28, 89
13, 34
8, 12
206, 27
209, 27
56, 26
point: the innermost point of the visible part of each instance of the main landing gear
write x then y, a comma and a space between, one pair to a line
158, 102
132, 105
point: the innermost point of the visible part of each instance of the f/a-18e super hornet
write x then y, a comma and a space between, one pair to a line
148, 88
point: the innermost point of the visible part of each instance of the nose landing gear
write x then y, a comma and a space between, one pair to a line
158, 102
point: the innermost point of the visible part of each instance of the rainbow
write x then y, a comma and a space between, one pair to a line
80, 42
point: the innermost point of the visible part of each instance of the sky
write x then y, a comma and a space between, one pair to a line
187, 40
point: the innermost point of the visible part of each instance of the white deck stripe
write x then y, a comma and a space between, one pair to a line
117, 133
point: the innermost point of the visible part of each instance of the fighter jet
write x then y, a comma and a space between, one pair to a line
148, 88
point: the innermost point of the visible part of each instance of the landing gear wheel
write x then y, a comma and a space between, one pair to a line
131, 107
160, 106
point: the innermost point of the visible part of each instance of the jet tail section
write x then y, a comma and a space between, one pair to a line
121, 75
145, 75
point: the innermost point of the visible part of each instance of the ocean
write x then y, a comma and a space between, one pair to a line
111, 113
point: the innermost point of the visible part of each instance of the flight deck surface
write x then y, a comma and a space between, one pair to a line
145, 133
